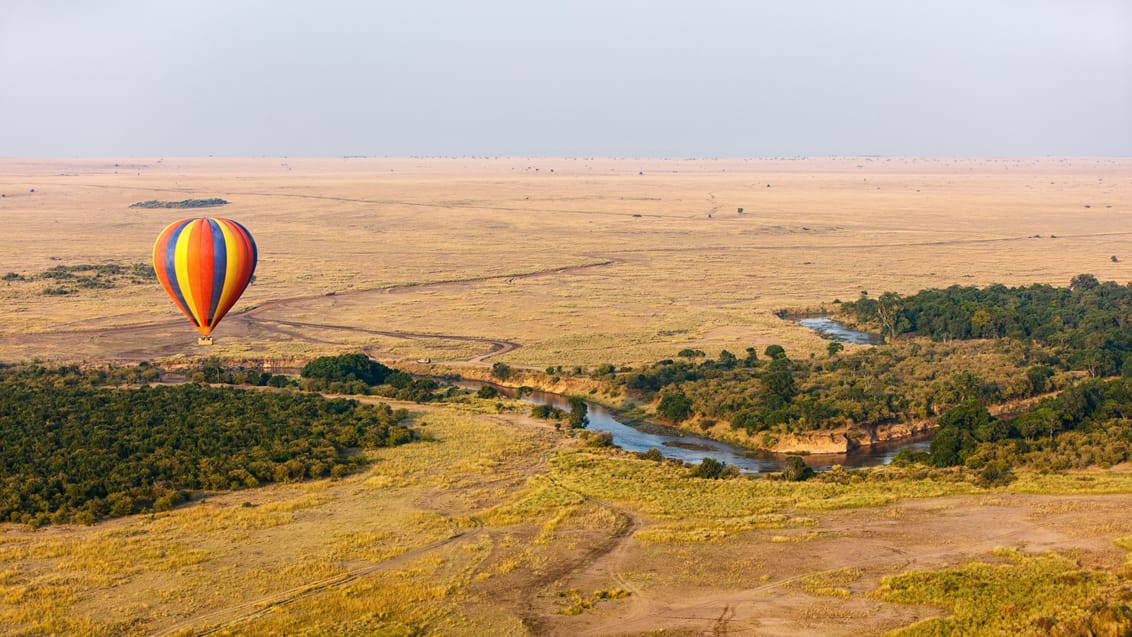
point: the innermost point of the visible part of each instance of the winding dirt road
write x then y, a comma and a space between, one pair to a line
270, 316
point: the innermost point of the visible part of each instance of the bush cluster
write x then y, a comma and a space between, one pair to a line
1086, 322
76, 452
184, 203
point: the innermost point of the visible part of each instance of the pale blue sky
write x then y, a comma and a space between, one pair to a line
702, 78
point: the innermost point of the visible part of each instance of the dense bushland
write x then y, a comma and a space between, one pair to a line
357, 374
1086, 323
74, 451
1089, 423
876, 386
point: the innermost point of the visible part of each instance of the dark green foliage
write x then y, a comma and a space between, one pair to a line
75, 452
402, 386
213, 371
834, 347
1088, 423
185, 203
752, 358
865, 387
712, 469
660, 375
1039, 376
726, 360
691, 353
502, 371
778, 381
907, 457
1039, 422
795, 469
950, 447
774, 352
71, 279
1088, 321
487, 391
547, 412
653, 454
972, 416
346, 367
961, 428
578, 411
674, 406
278, 380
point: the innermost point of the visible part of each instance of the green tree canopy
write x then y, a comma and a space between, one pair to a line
347, 367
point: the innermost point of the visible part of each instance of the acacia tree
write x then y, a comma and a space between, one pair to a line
890, 312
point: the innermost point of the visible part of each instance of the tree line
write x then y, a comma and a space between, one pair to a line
358, 374
211, 202
773, 394
75, 450
1086, 322
1088, 423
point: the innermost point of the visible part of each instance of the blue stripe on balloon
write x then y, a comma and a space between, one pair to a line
171, 268
219, 267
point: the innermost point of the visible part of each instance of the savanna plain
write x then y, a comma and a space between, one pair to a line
494, 522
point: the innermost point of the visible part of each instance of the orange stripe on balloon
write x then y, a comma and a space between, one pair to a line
205, 258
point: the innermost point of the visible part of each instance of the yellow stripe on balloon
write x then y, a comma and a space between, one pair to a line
186, 282
234, 255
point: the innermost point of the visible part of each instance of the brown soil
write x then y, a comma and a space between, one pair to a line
750, 585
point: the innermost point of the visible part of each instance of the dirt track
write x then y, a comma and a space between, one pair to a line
917, 534
270, 316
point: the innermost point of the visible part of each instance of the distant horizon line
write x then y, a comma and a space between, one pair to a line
571, 157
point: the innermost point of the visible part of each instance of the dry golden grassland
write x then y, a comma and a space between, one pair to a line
579, 261
499, 525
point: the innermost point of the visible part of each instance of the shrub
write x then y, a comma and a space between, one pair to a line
502, 371
796, 469
712, 469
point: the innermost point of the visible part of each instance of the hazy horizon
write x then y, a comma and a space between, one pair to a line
588, 79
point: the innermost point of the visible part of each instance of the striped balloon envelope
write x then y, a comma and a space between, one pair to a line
204, 265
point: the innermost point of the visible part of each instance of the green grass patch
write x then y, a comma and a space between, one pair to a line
1091, 483
690, 509
1046, 594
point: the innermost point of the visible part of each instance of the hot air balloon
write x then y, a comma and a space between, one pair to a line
204, 265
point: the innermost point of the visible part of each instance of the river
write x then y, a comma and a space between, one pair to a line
831, 329
682, 445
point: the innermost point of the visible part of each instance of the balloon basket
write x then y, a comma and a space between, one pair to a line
204, 340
